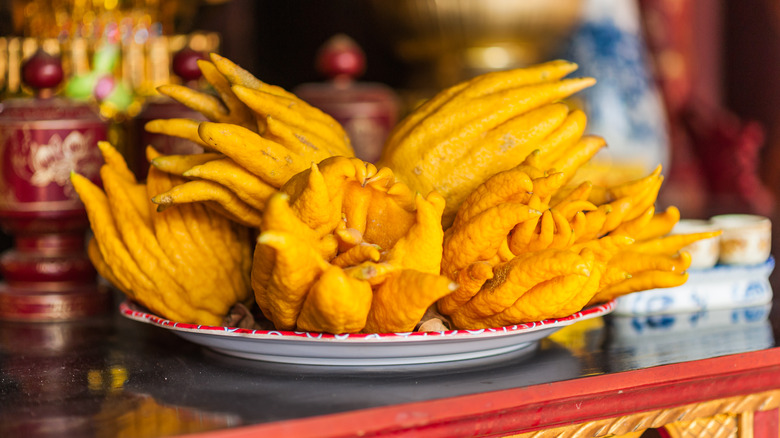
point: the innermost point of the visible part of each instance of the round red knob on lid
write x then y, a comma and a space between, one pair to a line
366, 110
340, 56
42, 71
185, 64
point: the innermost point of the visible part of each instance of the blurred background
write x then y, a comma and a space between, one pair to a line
689, 84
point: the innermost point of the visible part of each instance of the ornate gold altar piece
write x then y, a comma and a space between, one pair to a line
719, 418
73, 30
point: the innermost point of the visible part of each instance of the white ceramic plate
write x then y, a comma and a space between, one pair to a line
720, 287
365, 349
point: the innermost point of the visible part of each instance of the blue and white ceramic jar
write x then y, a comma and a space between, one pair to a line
625, 106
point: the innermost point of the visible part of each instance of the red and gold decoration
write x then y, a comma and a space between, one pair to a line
142, 30
47, 275
104, 60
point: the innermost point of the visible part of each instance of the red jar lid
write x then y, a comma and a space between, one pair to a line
43, 73
342, 61
21, 110
367, 110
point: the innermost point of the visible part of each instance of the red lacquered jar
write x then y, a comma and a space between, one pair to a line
366, 110
47, 275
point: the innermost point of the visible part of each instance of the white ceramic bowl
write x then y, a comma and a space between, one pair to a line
704, 253
746, 238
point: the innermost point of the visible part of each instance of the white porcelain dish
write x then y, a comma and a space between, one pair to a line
377, 349
720, 287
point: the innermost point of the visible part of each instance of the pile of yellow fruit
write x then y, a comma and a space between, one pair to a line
470, 213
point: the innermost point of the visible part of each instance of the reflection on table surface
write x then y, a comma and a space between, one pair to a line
650, 340
114, 377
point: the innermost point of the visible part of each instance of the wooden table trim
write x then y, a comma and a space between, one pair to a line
527, 409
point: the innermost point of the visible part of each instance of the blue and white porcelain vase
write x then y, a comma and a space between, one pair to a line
625, 106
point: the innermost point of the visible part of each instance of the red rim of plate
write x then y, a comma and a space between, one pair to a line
134, 311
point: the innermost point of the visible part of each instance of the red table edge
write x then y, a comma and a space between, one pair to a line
525, 409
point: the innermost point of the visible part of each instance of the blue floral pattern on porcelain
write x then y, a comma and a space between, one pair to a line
625, 106
721, 287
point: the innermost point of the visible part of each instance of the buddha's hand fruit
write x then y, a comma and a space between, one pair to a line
344, 248
489, 124
523, 248
258, 136
187, 264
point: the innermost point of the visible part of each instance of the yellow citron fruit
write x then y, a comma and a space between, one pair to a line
186, 264
257, 136
345, 248
524, 248
489, 124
